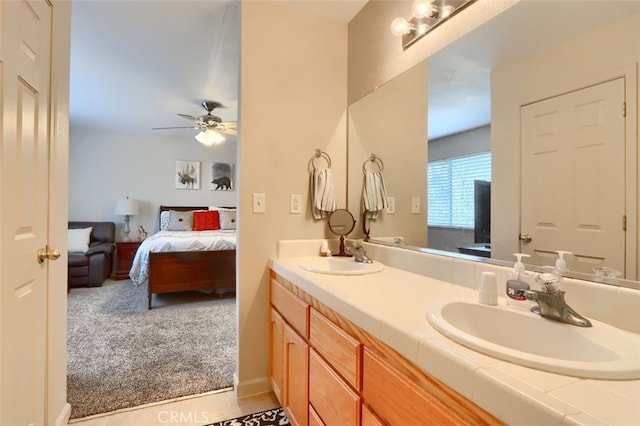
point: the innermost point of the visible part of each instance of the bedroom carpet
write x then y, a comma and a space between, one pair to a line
121, 355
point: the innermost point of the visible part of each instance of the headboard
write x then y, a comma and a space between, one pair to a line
185, 209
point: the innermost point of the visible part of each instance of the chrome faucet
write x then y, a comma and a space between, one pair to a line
359, 255
551, 303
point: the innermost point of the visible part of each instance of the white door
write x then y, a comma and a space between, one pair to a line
573, 178
25, 28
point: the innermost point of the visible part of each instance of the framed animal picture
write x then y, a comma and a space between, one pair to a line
187, 174
222, 176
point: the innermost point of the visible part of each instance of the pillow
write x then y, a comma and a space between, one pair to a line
206, 220
227, 218
180, 221
78, 239
164, 220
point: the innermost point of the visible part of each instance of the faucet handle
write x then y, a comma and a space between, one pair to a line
548, 281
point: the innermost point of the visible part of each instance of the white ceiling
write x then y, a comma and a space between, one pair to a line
135, 64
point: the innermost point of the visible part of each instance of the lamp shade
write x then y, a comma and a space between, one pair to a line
126, 207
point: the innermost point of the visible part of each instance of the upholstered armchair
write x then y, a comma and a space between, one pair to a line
90, 253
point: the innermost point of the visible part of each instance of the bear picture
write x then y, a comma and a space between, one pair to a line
222, 175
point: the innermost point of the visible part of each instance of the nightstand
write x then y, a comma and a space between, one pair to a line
126, 251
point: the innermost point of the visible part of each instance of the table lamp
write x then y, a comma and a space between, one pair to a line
126, 207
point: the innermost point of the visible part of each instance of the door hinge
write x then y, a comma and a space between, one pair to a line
624, 109
624, 222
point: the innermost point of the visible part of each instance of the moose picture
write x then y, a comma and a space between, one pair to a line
187, 174
221, 177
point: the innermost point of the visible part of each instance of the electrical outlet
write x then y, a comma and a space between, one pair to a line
415, 205
391, 206
259, 202
296, 204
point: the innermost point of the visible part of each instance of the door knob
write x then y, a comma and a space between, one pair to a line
47, 253
525, 238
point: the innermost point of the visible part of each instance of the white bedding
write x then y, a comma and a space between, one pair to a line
178, 241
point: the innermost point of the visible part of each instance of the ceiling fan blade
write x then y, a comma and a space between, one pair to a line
168, 128
230, 124
229, 131
190, 117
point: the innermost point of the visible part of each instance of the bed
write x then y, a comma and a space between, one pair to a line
173, 261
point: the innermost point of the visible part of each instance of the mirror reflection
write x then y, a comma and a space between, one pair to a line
341, 222
564, 179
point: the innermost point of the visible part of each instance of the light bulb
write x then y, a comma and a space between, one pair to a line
400, 27
422, 8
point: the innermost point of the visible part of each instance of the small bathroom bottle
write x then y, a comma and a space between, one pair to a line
518, 281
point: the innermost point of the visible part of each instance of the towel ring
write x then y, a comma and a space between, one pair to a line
375, 160
320, 154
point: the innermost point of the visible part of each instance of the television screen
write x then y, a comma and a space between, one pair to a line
482, 209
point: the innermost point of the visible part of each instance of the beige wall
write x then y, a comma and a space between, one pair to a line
601, 55
292, 101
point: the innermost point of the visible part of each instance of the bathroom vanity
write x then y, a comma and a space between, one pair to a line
358, 349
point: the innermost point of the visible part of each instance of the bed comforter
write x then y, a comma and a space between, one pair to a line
178, 241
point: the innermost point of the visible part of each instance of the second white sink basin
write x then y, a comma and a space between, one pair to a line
522, 337
339, 266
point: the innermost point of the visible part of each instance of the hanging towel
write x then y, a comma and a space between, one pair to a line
323, 199
374, 194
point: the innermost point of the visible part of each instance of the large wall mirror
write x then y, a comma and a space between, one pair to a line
500, 98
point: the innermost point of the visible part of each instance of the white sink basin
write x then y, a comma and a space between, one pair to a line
339, 266
522, 337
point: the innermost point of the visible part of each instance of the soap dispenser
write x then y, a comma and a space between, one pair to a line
517, 282
561, 263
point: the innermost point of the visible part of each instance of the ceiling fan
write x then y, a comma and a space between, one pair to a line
211, 127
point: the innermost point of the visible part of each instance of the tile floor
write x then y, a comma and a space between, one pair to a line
190, 411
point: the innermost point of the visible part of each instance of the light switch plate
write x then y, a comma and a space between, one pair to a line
296, 204
391, 207
415, 205
259, 202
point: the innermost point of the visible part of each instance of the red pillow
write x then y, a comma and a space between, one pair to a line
206, 221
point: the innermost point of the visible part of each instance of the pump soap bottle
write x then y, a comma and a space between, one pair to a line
517, 283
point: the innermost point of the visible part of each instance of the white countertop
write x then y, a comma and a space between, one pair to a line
391, 305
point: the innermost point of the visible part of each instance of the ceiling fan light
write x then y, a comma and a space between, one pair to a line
209, 137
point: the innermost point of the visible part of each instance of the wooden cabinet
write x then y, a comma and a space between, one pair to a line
327, 371
125, 252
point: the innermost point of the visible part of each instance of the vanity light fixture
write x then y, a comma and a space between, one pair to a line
210, 137
427, 14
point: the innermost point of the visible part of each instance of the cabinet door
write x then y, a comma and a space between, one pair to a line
296, 388
276, 360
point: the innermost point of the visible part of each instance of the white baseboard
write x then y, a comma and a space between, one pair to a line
251, 387
64, 416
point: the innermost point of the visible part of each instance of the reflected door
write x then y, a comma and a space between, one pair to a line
573, 184
25, 59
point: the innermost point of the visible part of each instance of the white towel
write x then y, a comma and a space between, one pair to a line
323, 199
374, 194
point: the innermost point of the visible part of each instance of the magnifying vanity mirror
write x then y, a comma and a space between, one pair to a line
341, 222
482, 87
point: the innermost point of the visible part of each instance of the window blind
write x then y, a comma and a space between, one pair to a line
450, 189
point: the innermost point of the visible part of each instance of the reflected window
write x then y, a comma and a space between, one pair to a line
450, 189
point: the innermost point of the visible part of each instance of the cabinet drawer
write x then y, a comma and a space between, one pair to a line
294, 310
342, 351
333, 400
397, 400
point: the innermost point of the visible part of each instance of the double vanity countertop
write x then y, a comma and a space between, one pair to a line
391, 305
